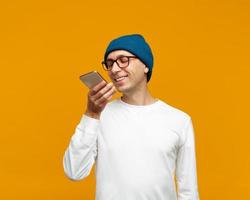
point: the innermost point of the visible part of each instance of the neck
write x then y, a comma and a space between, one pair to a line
141, 96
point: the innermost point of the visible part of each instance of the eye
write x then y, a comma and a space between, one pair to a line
123, 59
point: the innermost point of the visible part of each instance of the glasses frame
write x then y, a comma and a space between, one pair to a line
115, 61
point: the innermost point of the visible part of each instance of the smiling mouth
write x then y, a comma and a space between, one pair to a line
120, 78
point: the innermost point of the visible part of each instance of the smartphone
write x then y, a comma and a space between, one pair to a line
91, 79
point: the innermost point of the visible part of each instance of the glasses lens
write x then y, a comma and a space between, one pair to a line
123, 61
109, 64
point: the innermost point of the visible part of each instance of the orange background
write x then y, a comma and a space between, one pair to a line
202, 66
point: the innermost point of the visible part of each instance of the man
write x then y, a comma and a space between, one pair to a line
143, 147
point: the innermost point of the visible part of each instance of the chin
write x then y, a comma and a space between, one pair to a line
120, 89
124, 89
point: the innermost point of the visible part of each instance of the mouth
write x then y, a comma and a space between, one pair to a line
121, 78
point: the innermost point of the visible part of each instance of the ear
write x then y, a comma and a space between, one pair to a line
146, 69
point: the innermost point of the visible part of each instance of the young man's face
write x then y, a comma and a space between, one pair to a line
135, 72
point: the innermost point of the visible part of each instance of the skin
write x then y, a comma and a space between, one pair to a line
133, 88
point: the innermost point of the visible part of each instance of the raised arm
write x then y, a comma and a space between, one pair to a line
81, 153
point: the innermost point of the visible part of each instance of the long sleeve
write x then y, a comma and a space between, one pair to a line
81, 153
186, 174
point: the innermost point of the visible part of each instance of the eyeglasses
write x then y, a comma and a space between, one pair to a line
122, 61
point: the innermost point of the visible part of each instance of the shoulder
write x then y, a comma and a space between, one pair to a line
177, 114
179, 120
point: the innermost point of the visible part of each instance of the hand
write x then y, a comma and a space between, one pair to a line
98, 97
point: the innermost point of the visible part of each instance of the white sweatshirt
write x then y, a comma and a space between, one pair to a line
140, 152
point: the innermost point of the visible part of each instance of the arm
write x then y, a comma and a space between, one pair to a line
186, 165
81, 153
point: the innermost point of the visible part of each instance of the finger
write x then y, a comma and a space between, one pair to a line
103, 91
106, 96
97, 87
105, 102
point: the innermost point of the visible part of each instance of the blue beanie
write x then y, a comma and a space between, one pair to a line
135, 44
